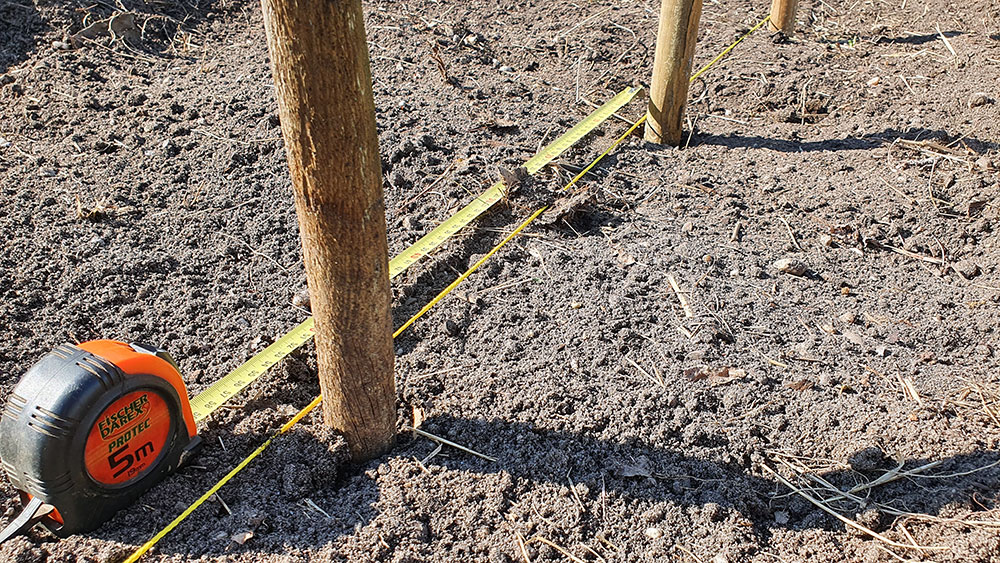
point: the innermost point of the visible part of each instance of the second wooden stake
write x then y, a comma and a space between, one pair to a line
675, 42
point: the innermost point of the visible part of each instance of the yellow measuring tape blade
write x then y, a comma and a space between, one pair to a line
495, 193
226, 388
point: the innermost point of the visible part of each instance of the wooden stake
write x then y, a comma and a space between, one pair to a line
323, 86
675, 41
783, 16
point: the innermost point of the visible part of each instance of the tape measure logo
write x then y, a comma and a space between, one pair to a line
128, 438
117, 420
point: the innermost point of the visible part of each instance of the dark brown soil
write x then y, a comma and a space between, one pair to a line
145, 198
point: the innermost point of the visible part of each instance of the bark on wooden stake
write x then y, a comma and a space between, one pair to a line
675, 41
783, 16
322, 78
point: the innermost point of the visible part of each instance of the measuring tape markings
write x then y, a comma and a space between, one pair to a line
228, 386
496, 192
224, 389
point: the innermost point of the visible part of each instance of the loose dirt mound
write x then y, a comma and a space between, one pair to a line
145, 198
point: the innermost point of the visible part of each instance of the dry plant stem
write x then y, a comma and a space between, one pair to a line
844, 519
906, 533
894, 475
432, 455
316, 507
675, 44
688, 312
891, 475
769, 359
945, 40
909, 390
657, 380
225, 506
884, 549
441, 440
523, 547
791, 234
591, 550
319, 59
690, 554
914, 255
431, 185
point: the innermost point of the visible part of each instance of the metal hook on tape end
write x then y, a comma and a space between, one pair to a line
33, 512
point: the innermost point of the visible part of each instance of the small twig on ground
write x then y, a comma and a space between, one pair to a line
432, 184
796, 464
893, 554
690, 130
730, 119
564, 34
945, 40
909, 199
688, 312
507, 285
657, 380
431, 455
441, 440
770, 360
237, 141
909, 391
597, 555
553, 545
691, 555
256, 252
522, 546
316, 507
986, 407
225, 506
791, 234
572, 487
914, 255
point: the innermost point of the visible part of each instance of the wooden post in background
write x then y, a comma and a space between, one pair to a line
675, 41
783, 16
323, 85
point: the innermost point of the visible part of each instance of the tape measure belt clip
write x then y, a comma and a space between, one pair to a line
90, 428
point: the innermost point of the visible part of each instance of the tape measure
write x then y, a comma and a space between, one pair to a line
91, 427
88, 429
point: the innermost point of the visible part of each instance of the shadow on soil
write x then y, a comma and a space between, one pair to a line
918, 39
641, 471
864, 142
629, 471
21, 23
